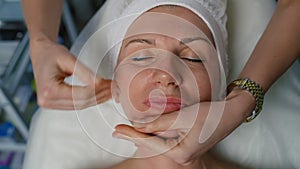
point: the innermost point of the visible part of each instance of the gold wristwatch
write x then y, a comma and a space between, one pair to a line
255, 89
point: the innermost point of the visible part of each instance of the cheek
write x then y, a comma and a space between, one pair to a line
204, 87
136, 90
201, 90
129, 97
133, 92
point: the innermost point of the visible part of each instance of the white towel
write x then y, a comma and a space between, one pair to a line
113, 20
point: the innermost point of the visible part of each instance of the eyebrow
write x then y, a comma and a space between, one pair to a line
141, 40
183, 41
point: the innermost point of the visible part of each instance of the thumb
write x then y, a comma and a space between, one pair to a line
71, 65
85, 74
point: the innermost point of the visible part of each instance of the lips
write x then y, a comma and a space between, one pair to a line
168, 104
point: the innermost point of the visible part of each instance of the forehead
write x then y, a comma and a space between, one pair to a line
172, 21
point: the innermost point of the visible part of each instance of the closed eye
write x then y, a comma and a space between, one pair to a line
141, 58
199, 60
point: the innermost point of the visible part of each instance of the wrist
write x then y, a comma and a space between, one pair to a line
40, 43
246, 95
40, 36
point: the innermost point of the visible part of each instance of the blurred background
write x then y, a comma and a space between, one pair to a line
17, 85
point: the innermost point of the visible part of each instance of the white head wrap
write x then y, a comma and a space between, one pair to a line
115, 17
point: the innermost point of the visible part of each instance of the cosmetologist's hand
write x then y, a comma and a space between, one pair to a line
214, 121
52, 63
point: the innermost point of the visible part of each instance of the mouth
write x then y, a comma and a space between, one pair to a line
167, 104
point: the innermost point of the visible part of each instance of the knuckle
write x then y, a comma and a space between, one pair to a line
41, 102
44, 96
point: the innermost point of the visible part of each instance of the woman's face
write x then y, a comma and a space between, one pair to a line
167, 61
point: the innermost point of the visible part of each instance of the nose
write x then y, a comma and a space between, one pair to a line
166, 72
165, 79
168, 79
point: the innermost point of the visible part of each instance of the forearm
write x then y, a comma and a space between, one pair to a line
42, 18
278, 47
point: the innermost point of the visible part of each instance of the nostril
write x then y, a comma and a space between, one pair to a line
167, 83
172, 83
161, 77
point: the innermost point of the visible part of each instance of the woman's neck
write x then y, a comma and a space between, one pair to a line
142, 160
160, 162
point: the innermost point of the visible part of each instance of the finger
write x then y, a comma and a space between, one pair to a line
67, 97
59, 104
103, 86
54, 93
74, 97
153, 143
103, 96
87, 95
71, 65
90, 99
178, 150
92, 95
163, 122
